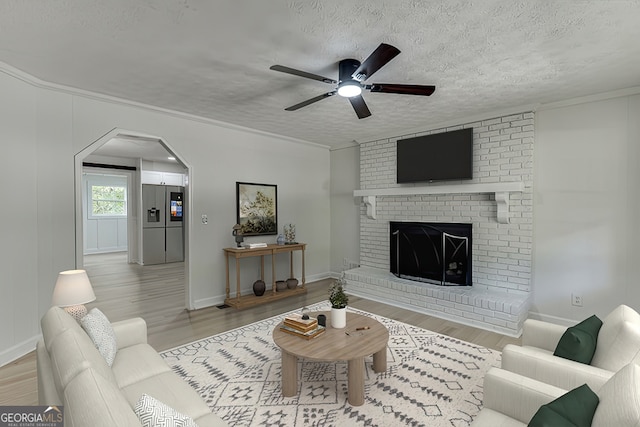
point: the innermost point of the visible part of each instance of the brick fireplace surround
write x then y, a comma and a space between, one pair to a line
502, 219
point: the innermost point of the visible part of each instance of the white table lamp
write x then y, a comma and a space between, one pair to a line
73, 290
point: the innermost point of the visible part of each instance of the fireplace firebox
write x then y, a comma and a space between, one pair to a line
438, 253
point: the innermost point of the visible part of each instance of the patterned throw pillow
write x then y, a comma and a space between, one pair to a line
152, 412
98, 327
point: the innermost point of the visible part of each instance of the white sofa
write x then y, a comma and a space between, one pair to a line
618, 344
511, 400
71, 372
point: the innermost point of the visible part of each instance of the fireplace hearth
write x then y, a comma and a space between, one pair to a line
437, 253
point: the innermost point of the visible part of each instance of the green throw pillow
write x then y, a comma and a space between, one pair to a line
573, 409
578, 343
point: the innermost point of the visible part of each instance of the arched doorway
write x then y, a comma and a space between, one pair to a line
130, 145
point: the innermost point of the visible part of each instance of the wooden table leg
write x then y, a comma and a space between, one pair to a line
291, 264
380, 360
273, 273
227, 289
289, 374
237, 278
304, 281
355, 377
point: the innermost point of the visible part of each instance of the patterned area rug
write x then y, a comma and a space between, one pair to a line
431, 380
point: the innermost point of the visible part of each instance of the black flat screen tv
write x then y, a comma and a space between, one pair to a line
438, 157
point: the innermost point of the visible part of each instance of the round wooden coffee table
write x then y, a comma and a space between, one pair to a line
347, 344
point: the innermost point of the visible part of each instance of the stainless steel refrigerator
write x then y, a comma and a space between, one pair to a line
162, 230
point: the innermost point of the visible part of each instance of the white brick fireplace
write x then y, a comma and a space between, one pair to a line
497, 202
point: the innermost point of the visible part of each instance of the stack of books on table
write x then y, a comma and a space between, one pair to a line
254, 245
294, 324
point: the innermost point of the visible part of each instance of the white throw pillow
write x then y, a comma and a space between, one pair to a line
618, 339
98, 327
152, 412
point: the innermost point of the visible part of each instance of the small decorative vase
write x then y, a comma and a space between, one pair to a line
259, 287
280, 240
292, 283
290, 234
338, 318
281, 285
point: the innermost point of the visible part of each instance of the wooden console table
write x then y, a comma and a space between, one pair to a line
243, 301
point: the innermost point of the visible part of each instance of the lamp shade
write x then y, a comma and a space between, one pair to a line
72, 288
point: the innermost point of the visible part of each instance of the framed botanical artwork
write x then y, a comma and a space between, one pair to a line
257, 208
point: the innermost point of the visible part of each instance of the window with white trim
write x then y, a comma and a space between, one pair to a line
107, 196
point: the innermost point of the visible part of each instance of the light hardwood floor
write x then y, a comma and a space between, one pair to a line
156, 293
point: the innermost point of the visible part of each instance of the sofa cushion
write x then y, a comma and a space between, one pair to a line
92, 400
136, 363
99, 329
574, 408
620, 399
578, 343
73, 352
618, 339
130, 332
490, 418
54, 322
152, 412
210, 420
170, 389
543, 366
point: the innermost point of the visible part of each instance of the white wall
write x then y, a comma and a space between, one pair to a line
586, 208
218, 157
20, 245
42, 130
345, 209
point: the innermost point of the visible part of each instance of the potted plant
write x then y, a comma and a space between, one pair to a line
339, 300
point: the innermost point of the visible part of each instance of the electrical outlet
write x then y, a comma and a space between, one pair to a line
576, 300
205, 219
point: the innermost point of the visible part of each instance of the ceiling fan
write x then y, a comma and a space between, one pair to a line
352, 74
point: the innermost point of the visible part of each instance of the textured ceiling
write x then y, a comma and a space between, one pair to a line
212, 58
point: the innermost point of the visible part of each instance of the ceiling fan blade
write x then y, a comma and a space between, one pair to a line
402, 89
378, 59
299, 73
310, 101
360, 106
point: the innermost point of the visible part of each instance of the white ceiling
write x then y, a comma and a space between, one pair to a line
212, 58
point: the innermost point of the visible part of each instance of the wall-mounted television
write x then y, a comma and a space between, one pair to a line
437, 157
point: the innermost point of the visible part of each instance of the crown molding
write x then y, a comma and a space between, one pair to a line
454, 122
635, 90
42, 84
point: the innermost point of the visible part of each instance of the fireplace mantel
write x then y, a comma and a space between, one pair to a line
500, 189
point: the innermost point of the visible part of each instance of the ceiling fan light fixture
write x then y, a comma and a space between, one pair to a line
349, 88
352, 75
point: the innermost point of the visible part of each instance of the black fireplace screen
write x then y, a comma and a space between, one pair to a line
430, 252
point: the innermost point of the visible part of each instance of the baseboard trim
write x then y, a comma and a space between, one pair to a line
551, 319
219, 299
208, 302
19, 350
